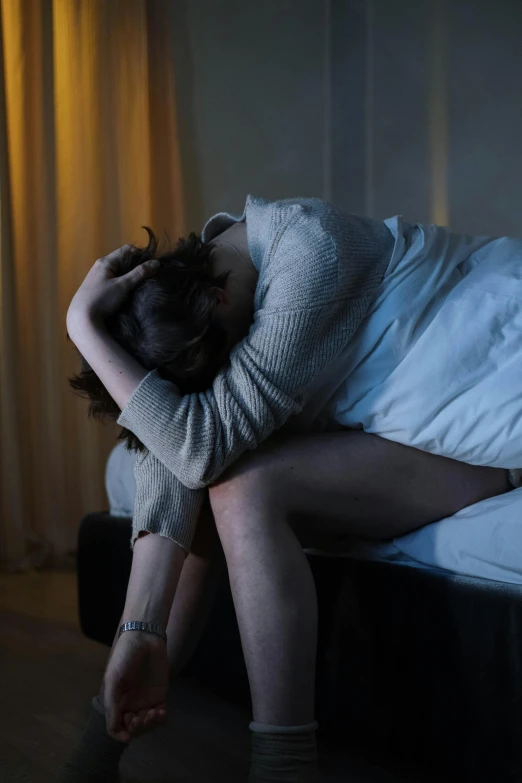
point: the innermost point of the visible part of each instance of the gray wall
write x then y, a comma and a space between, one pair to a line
250, 85
383, 107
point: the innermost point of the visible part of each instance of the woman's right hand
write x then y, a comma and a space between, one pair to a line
135, 685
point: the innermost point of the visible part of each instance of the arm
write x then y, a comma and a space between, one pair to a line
321, 274
119, 372
309, 311
162, 504
198, 436
156, 567
136, 679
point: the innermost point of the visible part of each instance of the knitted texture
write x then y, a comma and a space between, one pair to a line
284, 754
318, 269
269, 728
162, 504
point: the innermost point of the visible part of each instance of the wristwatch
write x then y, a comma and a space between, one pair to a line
138, 625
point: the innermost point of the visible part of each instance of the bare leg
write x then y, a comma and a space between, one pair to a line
349, 482
196, 592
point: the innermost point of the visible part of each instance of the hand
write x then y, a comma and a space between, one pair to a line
135, 685
102, 293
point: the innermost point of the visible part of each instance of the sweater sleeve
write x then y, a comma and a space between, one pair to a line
314, 308
163, 505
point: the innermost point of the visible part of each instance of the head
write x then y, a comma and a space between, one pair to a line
184, 320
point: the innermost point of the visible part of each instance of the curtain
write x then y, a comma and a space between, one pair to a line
89, 153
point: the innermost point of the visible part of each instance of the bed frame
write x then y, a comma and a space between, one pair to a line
417, 670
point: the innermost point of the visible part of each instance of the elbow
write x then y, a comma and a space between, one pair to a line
195, 483
198, 479
191, 474
195, 473
203, 476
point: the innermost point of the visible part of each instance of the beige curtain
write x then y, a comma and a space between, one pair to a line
88, 154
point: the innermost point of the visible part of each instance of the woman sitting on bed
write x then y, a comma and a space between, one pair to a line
218, 361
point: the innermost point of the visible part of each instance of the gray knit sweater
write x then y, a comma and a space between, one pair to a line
318, 271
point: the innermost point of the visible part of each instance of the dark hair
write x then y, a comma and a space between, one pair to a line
166, 324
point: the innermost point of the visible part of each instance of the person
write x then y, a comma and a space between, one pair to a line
216, 357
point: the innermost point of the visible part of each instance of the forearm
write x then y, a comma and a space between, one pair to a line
156, 568
119, 372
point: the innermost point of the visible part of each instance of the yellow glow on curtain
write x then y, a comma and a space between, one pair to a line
90, 155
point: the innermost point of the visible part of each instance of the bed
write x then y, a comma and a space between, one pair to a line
482, 541
420, 637
437, 365
419, 664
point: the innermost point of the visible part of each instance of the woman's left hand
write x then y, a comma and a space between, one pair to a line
135, 685
102, 293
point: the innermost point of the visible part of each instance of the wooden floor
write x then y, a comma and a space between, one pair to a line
49, 671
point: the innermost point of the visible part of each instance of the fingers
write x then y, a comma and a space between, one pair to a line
114, 722
137, 723
115, 255
114, 714
130, 280
120, 736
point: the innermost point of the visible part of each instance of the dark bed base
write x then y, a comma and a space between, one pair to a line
418, 670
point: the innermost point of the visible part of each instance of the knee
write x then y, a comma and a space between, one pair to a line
250, 482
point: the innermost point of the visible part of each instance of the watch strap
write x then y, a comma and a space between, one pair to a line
139, 625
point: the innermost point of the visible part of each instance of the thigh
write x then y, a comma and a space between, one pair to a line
353, 482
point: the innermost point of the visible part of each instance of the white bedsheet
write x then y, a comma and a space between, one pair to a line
120, 484
482, 540
436, 364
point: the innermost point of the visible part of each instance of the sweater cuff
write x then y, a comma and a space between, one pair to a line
172, 514
139, 415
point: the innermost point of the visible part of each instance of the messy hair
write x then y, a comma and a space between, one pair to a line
166, 324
